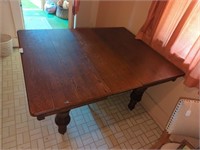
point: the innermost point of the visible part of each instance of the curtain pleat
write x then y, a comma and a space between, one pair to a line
172, 28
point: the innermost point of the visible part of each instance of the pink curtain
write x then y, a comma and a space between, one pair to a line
172, 28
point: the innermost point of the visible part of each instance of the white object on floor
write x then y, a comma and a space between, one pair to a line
170, 146
21, 50
6, 45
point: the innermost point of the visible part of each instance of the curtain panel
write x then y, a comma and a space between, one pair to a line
172, 28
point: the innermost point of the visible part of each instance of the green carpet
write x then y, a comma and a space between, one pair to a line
36, 18
37, 23
28, 4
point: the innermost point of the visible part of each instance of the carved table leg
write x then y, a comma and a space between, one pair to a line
136, 96
40, 118
62, 120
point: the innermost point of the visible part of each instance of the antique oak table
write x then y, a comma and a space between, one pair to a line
68, 68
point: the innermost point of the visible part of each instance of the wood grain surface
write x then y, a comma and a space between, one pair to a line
64, 69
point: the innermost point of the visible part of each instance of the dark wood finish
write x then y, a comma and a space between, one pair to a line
62, 120
40, 118
136, 96
64, 69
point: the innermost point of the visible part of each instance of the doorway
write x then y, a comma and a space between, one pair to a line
36, 17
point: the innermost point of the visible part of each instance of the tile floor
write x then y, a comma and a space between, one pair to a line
106, 124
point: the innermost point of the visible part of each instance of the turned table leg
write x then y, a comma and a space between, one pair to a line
40, 118
62, 120
136, 96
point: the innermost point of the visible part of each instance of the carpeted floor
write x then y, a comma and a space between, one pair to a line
37, 23
35, 18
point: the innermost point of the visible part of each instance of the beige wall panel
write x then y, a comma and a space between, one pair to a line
7, 22
160, 100
129, 14
114, 13
86, 16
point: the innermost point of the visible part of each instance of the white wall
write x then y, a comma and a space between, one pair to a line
1, 15
86, 16
11, 18
7, 22
1, 75
129, 14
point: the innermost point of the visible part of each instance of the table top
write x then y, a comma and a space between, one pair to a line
68, 68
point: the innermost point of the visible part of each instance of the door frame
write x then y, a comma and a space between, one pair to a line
18, 20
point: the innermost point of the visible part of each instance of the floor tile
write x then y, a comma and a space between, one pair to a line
107, 124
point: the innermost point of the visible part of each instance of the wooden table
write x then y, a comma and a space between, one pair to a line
65, 69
